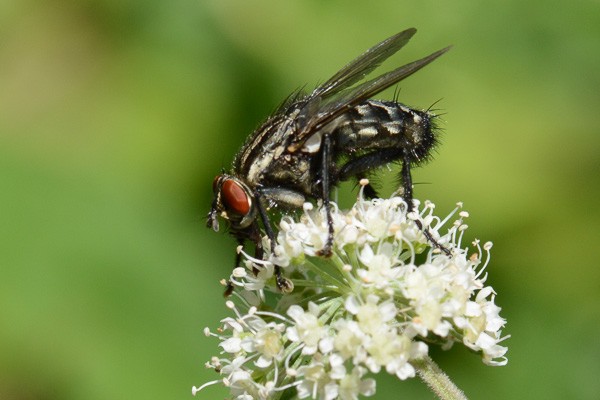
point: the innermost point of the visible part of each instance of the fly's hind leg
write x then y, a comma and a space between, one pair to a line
367, 162
408, 198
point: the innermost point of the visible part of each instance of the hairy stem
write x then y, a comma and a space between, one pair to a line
437, 380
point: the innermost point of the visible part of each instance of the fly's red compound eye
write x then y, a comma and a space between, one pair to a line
235, 198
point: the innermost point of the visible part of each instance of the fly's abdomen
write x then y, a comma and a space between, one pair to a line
378, 125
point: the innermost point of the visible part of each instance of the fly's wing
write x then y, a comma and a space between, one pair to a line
351, 97
364, 64
336, 96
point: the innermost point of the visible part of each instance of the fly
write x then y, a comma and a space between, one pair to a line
313, 142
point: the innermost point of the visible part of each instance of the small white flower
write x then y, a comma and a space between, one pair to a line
307, 329
348, 339
381, 270
314, 381
371, 316
268, 342
352, 385
232, 345
392, 351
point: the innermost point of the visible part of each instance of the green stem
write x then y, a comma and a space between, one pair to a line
437, 380
321, 268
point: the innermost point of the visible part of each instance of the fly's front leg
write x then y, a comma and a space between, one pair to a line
408, 198
252, 234
326, 187
284, 197
238, 259
265, 219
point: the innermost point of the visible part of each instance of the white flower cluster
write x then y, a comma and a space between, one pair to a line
379, 301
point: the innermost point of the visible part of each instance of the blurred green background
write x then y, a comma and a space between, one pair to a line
116, 115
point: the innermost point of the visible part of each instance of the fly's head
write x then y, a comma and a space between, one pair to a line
233, 200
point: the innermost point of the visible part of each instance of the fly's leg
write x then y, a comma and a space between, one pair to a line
360, 166
251, 233
229, 288
283, 284
375, 159
326, 187
238, 259
408, 198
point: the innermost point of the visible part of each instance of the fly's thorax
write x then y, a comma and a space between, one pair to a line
295, 171
266, 145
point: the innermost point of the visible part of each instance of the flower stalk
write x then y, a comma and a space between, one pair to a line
437, 380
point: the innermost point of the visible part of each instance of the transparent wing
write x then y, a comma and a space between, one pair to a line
336, 96
364, 64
